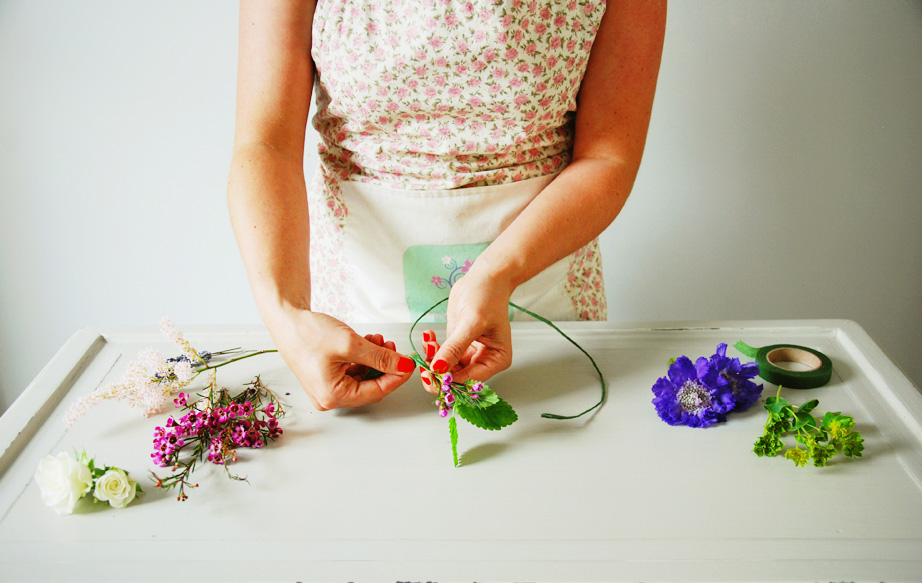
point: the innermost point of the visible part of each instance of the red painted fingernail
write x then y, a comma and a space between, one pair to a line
430, 351
426, 380
440, 366
405, 364
427, 336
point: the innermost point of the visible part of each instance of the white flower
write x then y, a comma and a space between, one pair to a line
116, 488
183, 372
62, 481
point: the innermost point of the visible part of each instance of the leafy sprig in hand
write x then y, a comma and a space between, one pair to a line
818, 439
473, 401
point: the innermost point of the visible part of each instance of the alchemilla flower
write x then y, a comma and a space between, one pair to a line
700, 394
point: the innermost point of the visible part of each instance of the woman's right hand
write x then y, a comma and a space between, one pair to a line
331, 361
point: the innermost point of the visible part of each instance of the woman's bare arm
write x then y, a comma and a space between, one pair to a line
614, 108
267, 199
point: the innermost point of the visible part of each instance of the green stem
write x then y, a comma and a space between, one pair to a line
226, 362
559, 331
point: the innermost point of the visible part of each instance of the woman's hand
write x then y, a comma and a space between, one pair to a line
333, 363
479, 339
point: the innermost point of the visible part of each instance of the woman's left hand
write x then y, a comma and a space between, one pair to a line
479, 339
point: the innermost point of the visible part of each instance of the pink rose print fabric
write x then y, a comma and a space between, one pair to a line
443, 94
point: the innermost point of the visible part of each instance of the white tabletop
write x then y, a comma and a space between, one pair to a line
371, 494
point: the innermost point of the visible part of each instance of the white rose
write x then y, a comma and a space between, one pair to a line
62, 481
116, 488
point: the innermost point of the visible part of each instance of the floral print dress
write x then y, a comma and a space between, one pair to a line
443, 94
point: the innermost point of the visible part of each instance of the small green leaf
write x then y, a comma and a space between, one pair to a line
485, 398
808, 406
494, 417
804, 420
777, 406
453, 433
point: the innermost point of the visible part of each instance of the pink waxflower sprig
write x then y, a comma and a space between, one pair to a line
149, 381
213, 427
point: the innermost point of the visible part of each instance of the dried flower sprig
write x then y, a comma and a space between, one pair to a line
148, 382
821, 438
213, 427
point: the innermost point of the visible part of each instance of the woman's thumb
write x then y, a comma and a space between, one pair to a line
453, 349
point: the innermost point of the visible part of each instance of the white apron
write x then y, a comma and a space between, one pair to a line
407, 248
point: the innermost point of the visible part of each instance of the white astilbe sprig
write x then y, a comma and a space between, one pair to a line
175, 336
149, 381
146, 384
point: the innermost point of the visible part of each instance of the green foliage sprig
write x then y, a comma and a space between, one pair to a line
474, 402
477, 403
818, 438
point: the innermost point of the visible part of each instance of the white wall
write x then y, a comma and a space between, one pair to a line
783, 175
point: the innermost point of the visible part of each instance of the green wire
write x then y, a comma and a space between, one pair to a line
419, 360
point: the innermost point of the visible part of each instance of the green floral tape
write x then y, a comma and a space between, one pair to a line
820, 367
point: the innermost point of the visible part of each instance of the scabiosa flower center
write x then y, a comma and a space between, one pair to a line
693, 397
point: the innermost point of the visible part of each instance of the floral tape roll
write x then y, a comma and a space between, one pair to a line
819, 366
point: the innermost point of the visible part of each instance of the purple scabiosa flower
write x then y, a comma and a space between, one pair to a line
726, 371
684, 397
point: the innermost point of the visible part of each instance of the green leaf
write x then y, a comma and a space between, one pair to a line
494, 417
804, 420
485, 398
808, 406
777, 406
453, 433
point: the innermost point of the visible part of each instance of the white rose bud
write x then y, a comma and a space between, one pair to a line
116, 488
62, 481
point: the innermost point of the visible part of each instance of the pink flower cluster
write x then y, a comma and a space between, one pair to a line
450, 389
217, 430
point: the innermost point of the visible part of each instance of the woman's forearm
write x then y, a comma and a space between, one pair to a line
614, 106
266, 193
569, 213
268, 208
